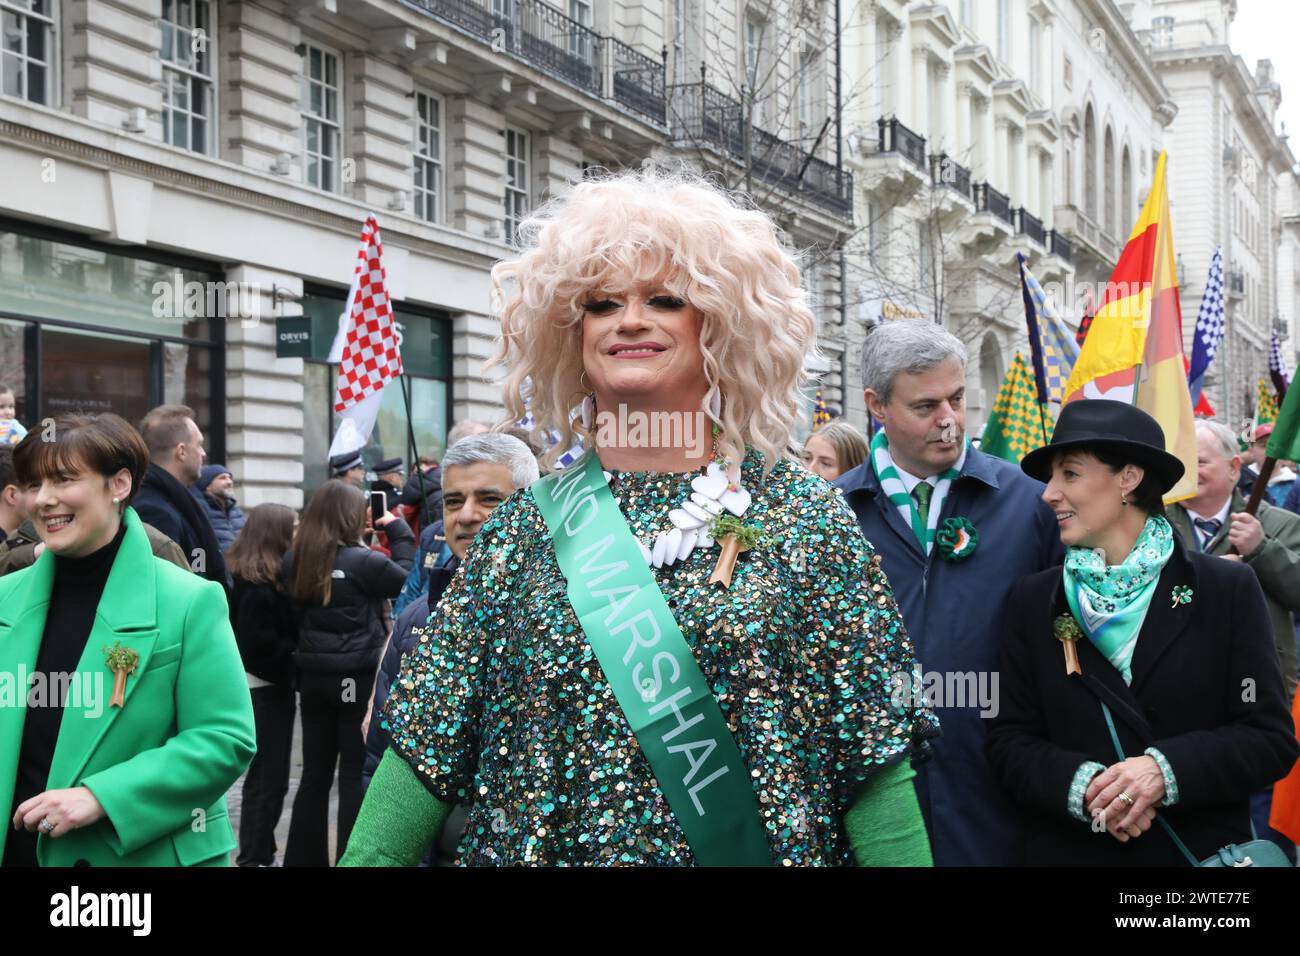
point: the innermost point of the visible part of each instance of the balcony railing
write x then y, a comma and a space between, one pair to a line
946, 171
538, 34
1058, 245
1031, 226
897, 138
988, 199
703, 115
638, 81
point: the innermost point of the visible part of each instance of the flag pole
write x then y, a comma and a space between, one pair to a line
414, 450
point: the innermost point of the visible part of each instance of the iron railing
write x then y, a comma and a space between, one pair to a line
1031, 226
639, 82
897, 138
988, 199
704, 115
541, 36
1058, 245
946, 171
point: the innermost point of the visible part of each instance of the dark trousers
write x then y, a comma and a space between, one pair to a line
267, 780
333, 706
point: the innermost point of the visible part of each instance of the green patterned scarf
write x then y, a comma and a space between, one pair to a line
1111, 602
891, 483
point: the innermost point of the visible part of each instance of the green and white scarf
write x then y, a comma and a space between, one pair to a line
1111, 602
891, 483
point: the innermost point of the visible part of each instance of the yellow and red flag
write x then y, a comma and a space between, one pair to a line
1134, 349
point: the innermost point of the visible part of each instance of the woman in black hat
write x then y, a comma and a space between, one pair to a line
1135, 642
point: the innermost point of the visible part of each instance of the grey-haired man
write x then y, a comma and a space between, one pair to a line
955, 528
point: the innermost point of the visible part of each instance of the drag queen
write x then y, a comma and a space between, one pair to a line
679, 650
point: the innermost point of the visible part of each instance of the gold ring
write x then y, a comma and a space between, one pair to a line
1126, 798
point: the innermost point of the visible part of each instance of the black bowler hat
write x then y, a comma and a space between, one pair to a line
389, 466
342, 464
1102, 423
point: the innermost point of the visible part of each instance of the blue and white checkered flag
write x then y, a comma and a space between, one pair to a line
553, 438
1053, 347
1209, 327
1277, 369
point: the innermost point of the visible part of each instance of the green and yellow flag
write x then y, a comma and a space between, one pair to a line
1265, 404
1015, 428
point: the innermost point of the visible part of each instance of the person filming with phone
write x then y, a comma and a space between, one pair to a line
340, 592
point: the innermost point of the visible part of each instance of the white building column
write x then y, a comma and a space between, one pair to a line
898, 61
988, 141
1046, 190
999, 175
1019, 142
1046, 75
921, 91
942, 120
1032, 199
962, 149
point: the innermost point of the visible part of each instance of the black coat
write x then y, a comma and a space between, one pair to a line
430, 483
265, 630
408, 629
1206, 692
348, 633
167, 505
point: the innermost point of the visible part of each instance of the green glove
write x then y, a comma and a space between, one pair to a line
399, 818
884, 826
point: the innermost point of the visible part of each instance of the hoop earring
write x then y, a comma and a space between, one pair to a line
583, 384
715, 403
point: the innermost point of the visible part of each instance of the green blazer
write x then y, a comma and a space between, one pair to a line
160, 765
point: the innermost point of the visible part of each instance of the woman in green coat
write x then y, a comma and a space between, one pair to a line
124, 712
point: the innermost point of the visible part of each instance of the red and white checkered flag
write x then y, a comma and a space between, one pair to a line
370, 353
367, 349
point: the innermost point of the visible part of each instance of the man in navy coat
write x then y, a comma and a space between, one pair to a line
950, 584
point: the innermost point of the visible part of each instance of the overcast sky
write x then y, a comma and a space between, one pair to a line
1267, 30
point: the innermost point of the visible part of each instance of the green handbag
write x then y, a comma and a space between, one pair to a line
1255, 853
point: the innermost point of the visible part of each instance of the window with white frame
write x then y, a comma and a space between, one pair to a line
1162, 31
755, 37
580, 39
26, 49
321, 124
187, 73
428, 157
679, 41
809, 123
517, 172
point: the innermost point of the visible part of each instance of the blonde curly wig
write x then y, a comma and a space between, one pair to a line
611, 234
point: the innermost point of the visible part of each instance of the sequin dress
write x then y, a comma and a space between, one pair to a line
504, 707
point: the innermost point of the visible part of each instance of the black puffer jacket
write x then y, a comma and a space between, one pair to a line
349, 633
265, 630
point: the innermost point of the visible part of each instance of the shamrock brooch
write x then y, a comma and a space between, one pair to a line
957, 539
1066, 630
121, 661
1182, 594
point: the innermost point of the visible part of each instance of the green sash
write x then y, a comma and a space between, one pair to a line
651, 669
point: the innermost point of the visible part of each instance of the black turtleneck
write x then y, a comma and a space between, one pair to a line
74, 599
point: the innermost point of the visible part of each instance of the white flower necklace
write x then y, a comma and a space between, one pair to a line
711, 494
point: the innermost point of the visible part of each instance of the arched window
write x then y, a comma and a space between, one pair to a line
1109, 147
1128, 211
1090, 164
990, 371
